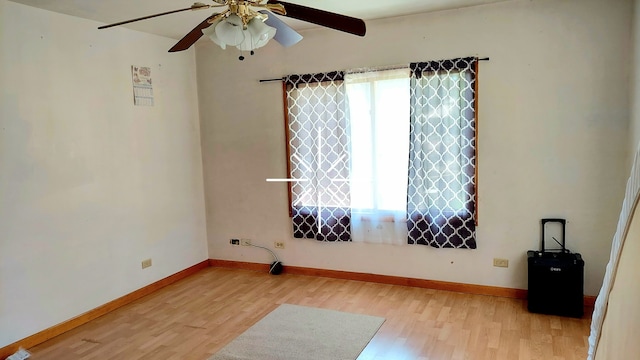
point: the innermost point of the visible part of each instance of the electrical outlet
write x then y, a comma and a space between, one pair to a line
501, 262
146, 263
234, 241
245, 242
278, 244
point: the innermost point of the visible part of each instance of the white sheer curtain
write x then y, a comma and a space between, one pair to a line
379, 112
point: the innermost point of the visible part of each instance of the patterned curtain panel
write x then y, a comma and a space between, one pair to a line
318, 124
441, 185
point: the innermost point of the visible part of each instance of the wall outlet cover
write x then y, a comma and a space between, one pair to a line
501, 262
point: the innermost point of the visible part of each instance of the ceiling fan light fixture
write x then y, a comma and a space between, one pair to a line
229, 30
258, 34
210, 32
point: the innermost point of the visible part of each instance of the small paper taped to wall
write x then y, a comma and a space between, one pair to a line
142, 85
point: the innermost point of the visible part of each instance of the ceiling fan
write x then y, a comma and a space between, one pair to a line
250, 24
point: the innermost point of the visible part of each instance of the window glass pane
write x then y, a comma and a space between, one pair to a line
360, 100
379, 110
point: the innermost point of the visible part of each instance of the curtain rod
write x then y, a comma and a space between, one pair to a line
271, 80
280, 79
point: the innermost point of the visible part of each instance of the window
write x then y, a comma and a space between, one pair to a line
384, 156
379, 127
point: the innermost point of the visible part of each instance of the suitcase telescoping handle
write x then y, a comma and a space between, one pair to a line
562, 222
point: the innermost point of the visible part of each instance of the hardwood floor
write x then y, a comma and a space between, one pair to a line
197, 316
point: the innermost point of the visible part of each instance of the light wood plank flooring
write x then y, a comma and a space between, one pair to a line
197, 316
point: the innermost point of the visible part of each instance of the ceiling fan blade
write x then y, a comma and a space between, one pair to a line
285, 35
324, 18
192, 36
195, 6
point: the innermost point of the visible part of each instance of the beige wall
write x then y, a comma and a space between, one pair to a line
553, 139
634, 80
621, 326
618, 338
89, 184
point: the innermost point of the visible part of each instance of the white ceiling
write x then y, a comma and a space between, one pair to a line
177, 25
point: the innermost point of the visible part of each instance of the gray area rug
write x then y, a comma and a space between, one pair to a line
292, 332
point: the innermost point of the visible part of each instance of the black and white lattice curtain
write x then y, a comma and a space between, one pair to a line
318, 124
442, 154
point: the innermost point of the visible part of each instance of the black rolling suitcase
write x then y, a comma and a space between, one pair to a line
556, 278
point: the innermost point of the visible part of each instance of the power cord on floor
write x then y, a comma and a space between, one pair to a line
276, 266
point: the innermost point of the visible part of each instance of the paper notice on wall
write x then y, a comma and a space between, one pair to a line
142, 88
